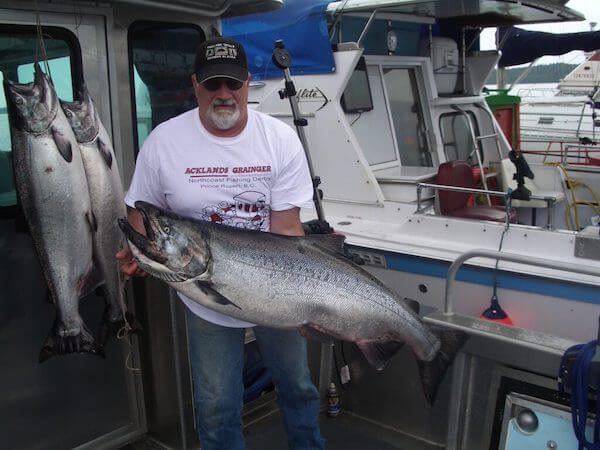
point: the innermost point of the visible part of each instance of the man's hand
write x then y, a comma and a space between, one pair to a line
127, 264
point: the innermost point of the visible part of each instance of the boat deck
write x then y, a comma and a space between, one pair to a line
344, 432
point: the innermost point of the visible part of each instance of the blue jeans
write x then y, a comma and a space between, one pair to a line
217, 360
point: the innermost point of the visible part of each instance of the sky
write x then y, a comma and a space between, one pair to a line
589, 8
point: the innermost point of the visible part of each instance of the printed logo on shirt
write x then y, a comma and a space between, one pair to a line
239, 177
206, 170
247, 209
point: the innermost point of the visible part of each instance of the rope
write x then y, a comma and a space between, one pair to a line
40, 41
579, 381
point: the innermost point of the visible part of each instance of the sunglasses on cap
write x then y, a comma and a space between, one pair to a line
214, 84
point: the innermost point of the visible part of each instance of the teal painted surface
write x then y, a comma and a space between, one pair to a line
551, 428
479, 275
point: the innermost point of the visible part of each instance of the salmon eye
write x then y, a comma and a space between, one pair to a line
167, 229
68, 113
18, 100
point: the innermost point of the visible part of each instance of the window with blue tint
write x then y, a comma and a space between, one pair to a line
7, 185
19, 46
63, 85
142, 108
162, 57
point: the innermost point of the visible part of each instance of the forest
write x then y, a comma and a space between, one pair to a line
546, 73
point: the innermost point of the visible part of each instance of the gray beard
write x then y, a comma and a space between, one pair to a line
223, 121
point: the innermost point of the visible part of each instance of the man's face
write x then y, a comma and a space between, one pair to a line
222, 107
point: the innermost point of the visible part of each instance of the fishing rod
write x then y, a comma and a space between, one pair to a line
283, 60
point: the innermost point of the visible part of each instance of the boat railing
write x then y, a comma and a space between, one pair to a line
518, 336
585, 154
550, 200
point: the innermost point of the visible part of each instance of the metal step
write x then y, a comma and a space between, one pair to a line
518, 336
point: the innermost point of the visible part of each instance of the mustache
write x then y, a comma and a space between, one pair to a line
224, 102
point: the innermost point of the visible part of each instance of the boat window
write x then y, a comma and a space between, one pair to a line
372, 128
407, 116
457, 136
357, 95
162, 59
18, 49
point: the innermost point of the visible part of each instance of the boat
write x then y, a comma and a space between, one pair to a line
557, 125
415, 171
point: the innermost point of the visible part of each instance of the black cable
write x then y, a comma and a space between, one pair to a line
337, 369
357, 117
344, 354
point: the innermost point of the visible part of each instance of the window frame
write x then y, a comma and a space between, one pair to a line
76, 67
423, 92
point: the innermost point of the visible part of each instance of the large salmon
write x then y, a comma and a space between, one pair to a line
280, 281
53, 193
106, 196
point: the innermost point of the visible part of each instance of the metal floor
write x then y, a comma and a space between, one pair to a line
345, 432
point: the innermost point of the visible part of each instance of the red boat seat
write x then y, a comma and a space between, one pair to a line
455, 204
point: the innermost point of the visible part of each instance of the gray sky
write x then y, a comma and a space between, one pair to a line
589, 8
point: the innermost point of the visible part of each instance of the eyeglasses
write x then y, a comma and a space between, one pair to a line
214, 84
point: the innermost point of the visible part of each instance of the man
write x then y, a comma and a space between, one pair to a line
231, 165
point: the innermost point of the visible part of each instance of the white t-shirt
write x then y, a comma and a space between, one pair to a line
234, 181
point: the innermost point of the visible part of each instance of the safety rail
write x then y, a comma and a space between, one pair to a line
550, 200
476, 141
519, 336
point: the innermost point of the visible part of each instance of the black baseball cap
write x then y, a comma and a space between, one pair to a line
220, 57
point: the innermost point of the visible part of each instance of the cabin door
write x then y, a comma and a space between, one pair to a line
74, 401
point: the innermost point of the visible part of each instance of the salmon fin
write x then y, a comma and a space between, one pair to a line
311, 332
105, 152
433, 372
213, 295
58, 343
90, 281
63, 144
90, 218
331, 242
379, 353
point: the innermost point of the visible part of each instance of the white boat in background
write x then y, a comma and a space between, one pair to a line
561, 126
564, 125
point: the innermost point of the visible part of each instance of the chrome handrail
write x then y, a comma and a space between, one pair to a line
522, 259
550, 200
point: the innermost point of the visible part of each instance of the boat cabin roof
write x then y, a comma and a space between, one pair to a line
484, 13
210, 8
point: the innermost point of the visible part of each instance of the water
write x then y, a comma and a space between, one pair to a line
537, 90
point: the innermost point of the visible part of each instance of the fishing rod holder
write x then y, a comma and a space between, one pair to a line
283, 60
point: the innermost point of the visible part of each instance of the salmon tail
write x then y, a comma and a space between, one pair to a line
433, 372
59, 343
